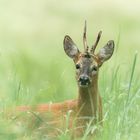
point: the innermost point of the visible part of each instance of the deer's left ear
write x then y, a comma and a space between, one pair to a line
106, 52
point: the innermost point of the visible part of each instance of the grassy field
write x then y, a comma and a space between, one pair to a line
34, 68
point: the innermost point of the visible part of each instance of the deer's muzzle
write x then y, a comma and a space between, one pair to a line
84, 80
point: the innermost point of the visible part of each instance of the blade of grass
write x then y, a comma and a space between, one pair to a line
129, 89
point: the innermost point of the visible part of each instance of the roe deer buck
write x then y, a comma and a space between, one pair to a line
89, 104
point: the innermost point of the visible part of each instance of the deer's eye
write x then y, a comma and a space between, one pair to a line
77, 66
94, 68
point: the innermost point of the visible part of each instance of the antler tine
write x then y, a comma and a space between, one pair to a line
84, 37
96, 43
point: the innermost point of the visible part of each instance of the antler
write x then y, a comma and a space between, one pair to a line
84, 37
96, 43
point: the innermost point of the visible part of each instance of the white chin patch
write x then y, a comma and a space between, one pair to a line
84, 85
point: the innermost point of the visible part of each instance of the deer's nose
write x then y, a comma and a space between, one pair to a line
84, 79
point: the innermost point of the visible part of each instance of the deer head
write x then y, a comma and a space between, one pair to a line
87, 63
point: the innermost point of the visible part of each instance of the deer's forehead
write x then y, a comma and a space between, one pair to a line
86, 60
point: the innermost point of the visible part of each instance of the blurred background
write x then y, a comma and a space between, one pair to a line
33, 65
34, 68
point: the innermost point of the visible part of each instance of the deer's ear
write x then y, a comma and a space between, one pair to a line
70, 48
106, 52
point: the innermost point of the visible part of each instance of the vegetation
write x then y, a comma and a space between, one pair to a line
34, 68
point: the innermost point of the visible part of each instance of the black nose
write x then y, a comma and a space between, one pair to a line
84, 79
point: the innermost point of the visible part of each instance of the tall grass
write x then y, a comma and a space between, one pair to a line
120, 93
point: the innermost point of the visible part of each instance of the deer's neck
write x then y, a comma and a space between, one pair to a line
87, 100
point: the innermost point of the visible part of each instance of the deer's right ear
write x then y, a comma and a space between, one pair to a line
70, 48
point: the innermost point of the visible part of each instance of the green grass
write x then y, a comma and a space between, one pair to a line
34, 68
